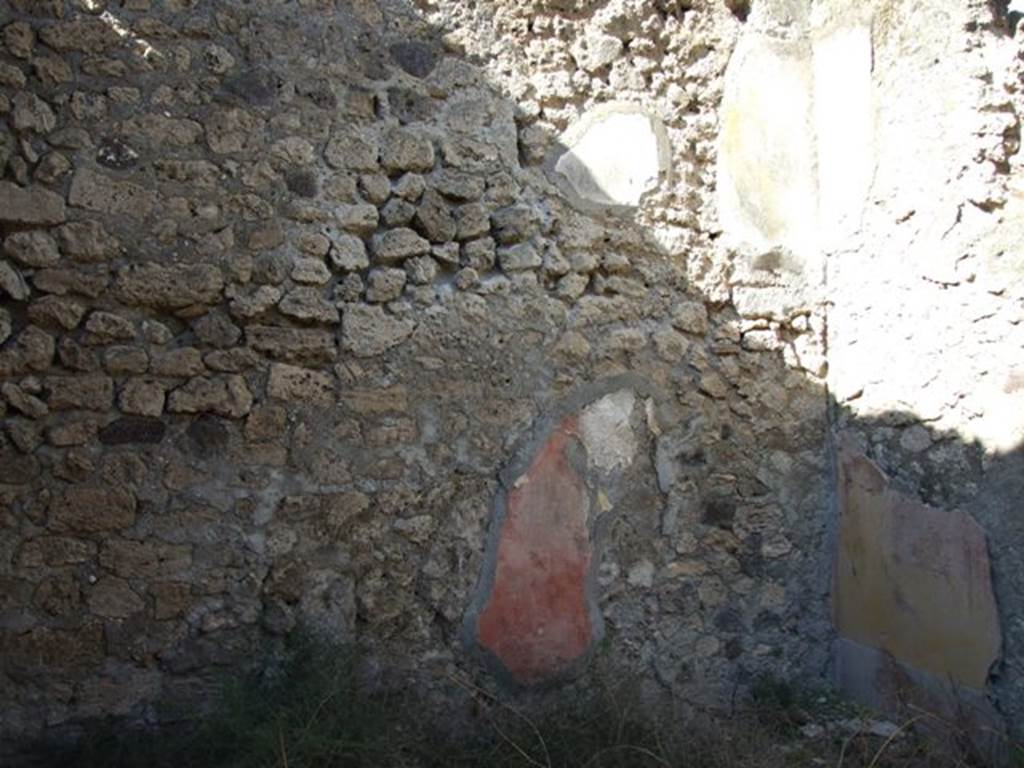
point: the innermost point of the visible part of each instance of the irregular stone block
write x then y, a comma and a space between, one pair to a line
293, 344
385, 284
308, 304
64, 281
133, 429
397, 244
88, 393
353, 151
376, 400
43, 650
367, 331
33, 249
518, 257
56, 311
33, 205
173, 286
406, 150
89, 509
224, 395
113, 598
434, 219
96, 192
145, 559
289, 382
55, 551
416, 58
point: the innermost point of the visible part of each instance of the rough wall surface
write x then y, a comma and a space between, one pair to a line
296, 308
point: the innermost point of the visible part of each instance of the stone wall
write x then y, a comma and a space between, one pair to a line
420, 328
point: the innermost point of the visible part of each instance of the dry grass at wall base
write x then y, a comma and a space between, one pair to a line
310, 706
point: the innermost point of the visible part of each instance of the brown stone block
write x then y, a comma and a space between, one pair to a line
46, 650
145, 559
89, 509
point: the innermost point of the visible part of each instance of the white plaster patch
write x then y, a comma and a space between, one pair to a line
844, 116
614, 155
607, 433
796, 148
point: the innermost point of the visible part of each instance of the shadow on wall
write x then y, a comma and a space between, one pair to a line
343, 473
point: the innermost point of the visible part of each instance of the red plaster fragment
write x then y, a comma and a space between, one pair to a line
536, 618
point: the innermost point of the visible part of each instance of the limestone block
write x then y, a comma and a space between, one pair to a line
367, 331
290, 382
33, 205
88, 509
225, 396
291, 345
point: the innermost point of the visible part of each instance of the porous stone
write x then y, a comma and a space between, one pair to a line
173, 286
133, 429
304, 345
422, 270
145, 559
113, 598
410, 187
217, 330
311, 271
141, 396
519, 257
108, 326
459, 185
184, 361
32, 114
368, 331
308, 304
222, 395
124, 358
395, 245
88, 393
385, 284
515, 224
471, 221
352, 151
98, 192
433, 219
690, 316
91, 509
256, 303
22, 401
292, 383
361, 219
348, 253
12, 283
33, 249
406, 150
479, 255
